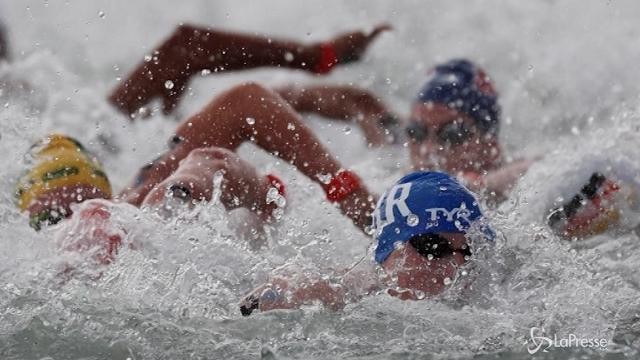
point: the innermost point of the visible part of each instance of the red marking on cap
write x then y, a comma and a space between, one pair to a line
483, 83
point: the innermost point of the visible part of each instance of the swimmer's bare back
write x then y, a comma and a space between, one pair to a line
191, 50
253, 113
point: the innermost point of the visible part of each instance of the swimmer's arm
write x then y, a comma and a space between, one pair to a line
191, 50
348, 103
498, 182
281, 293
253, 113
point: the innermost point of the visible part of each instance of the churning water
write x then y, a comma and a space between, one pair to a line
569, 80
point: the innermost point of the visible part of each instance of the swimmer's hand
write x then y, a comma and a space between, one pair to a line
350, 46
358, 206
249, 304
267, 297
280, 294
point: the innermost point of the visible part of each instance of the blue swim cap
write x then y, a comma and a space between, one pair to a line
423, 202
462, 86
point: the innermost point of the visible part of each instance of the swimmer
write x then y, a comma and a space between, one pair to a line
423, 235
192, 50
605, 202
453, 125
63, 173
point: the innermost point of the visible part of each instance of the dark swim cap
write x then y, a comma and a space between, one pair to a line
463, 86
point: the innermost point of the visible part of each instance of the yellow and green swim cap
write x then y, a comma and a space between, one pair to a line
63, 173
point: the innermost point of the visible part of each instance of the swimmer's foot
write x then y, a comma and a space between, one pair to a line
249, 304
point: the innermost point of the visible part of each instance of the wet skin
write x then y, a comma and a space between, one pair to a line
479, 152
416, 274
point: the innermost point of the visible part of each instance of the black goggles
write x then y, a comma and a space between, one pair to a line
433, 246
454, 133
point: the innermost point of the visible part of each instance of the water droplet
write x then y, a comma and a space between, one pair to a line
205, 72
324, 178
447, 281
369, 230
443, 188
429, 257
250, 120
272, 195
277, 213
412, 220
420, 294
530, 67
143, 112
288, 56
575, 130
347, 130
101, 14
290, 126
168, 84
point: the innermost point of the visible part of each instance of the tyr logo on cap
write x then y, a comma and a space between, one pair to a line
422, 202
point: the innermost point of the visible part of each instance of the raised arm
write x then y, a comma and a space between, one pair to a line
252, 113
193, 50
347, 103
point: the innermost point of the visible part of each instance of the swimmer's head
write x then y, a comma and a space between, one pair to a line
421, 225
455, 120
62, 173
